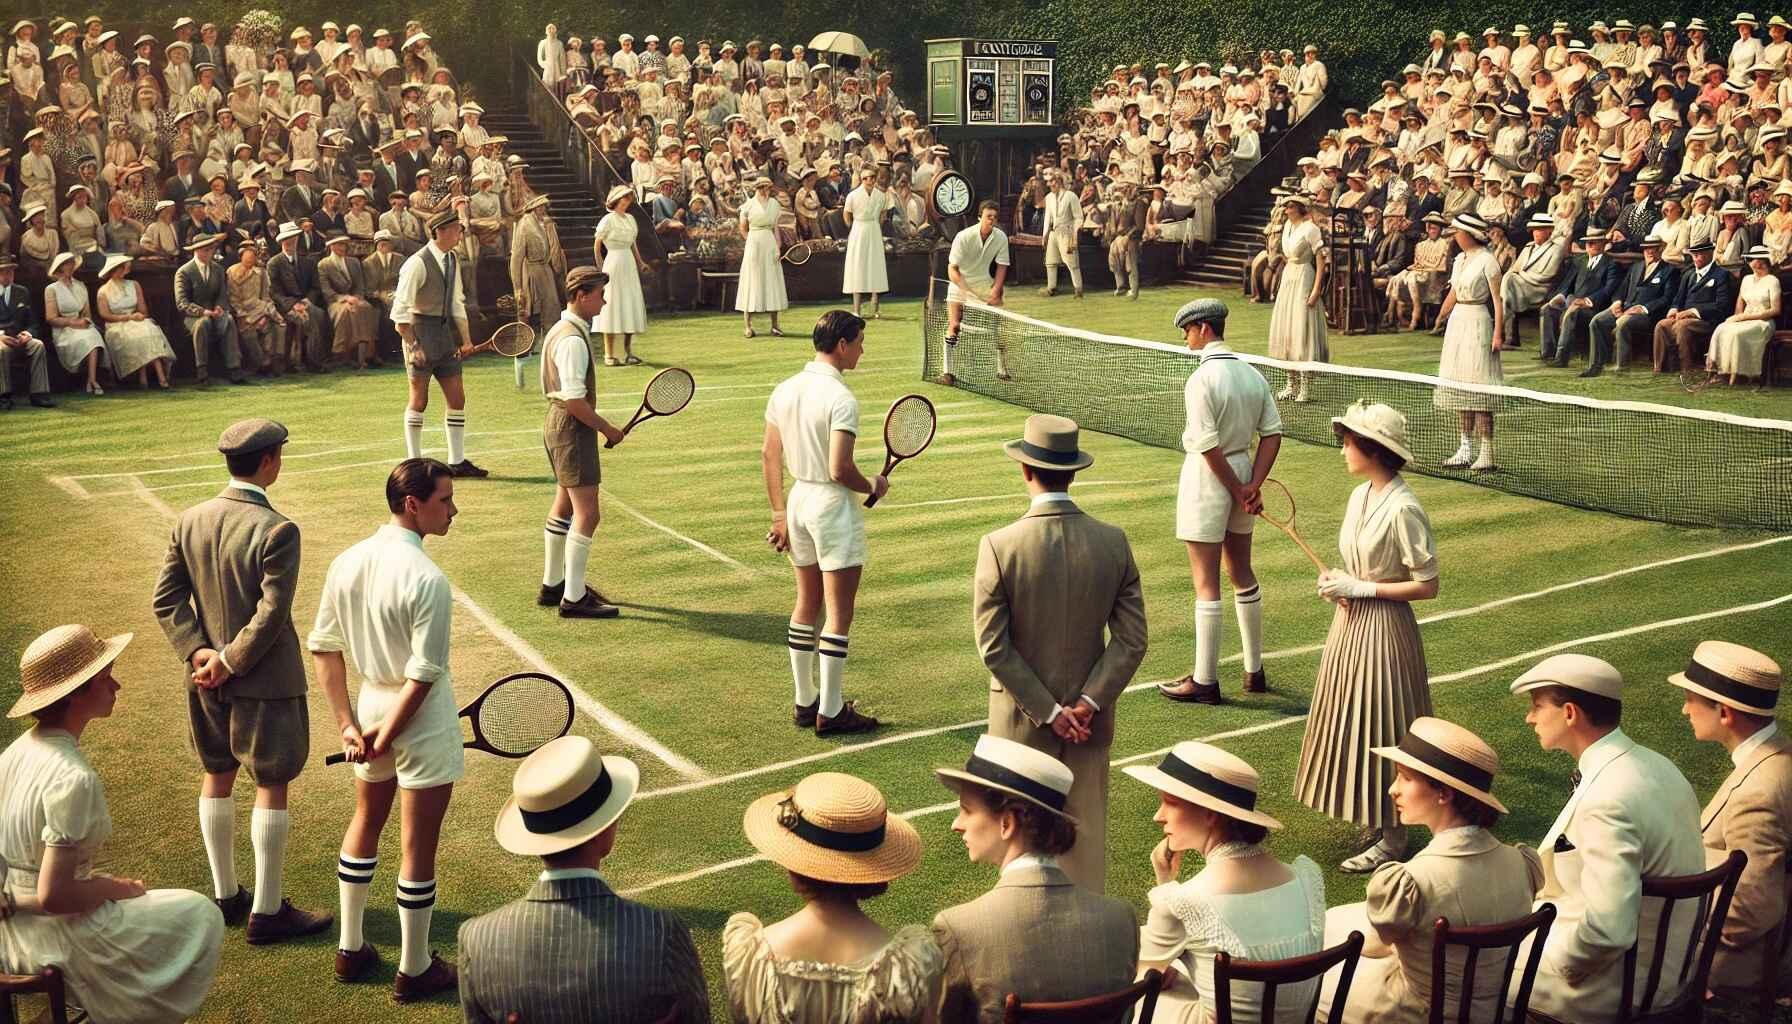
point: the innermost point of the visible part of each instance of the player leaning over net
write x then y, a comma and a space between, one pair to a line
973, 251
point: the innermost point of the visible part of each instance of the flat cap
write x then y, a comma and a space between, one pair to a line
440, 220
581, 277
1201, 311
254, 435
1577, 672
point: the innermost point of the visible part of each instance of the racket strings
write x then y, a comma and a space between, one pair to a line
909, 427
520, 716
513, 339
669, 391
1278, 503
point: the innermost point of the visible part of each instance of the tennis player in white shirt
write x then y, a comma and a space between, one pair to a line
388, 609
973, 250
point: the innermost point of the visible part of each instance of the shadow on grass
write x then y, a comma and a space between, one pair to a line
752, 627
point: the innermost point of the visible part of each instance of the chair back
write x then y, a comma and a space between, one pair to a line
1100, 1009
1472, 940
1710, 892
47, 982
1272, 974
1773, 950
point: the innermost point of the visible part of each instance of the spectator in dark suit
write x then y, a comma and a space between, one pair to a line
253, 219
1588, 287
21, 337
184, 181
293, 282
1648, 290
572, 950
1705, 296
410, 160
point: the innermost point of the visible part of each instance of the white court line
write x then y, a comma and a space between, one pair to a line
153, 500
675, 535
395, 443
1277, 723
1015, 496
319, 469
69, 485
622, 728
1267, 655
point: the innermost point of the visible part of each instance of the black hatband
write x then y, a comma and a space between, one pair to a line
573, 811
1448, 763
1717, 682
995, 773
1189, 775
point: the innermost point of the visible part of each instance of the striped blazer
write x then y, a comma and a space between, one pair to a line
574, 951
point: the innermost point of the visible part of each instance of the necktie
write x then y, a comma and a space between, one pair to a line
1574, 778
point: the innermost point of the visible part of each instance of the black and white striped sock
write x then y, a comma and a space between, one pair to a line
1249, 605
553, 570
416, 904
455, 422
801, 639
833, 670
353, 876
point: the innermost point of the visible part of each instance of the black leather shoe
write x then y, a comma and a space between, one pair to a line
1592, 371
804, 718
235, 908
849, 720
1187, 691
588, 607
40, 401
465, 467
550, 597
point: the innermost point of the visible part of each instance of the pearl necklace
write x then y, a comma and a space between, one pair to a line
1234, 851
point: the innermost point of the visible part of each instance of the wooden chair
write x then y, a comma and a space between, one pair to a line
1773, 950
1508, 936
1712, 891
1275, 973
48, 983
1091, 1010
1777, 358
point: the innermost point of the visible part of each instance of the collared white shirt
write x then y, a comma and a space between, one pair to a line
1030, 860
807, 408
388, 608
1047, 497
244, 485
972, 253
1749, 746
562, 874
410, 278
571, 360
1227, 401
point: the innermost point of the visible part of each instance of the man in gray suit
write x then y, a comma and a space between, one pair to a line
224, 599
1036, 934
1047, 587
202, 294
572, 951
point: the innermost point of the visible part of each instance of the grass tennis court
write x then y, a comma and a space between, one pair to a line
696, 668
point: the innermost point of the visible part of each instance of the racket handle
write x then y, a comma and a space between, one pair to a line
337, 758
870, 500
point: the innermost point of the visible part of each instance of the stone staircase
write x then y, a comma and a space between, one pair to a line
1222, 266
575, 210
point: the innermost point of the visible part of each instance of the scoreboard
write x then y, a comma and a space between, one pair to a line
991, 83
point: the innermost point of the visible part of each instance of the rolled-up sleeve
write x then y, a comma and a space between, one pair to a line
326, 631
431, 623
410, 274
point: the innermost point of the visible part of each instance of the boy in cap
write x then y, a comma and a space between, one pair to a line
224, 599
429, 309
1227, 401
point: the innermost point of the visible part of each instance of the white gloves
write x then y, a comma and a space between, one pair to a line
1337, 585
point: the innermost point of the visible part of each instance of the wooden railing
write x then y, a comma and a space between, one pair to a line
1278, 162
580, 154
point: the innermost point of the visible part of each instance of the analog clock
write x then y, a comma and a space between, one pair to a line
951, 194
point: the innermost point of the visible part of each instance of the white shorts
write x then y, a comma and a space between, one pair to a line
956, 294
1205, 511
429, 752
826, 524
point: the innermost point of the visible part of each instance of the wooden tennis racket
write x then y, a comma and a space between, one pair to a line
1279, 510
513, 339
514, 716
1698, 379
798, 254
908, 430
669, 391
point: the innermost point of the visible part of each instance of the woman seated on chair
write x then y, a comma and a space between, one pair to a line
1443, 782
1243, 902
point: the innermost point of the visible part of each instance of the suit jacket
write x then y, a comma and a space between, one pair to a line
198, 289
1712, 293
1651, 287
16, 313
384, 184
1599, 283
408, 164
297, 204
1393, 252
227, 583
382, 273
572, 951
363, 138
1751, 812
293, 278
1035, 934
1059, 615
1633, 816
341, 279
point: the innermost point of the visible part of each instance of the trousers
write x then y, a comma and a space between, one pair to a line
1562, 327
1059, 250
221, 331
1684, 340
1612, 333
33, 353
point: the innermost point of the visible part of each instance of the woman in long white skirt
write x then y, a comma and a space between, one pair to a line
865, 269
134, 342
1739, 345
761, 287
1297, 323
625, 308
1472, 314
70, 313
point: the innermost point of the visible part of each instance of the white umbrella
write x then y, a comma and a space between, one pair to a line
839, 42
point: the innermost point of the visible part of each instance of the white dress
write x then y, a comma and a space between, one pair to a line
72, 343
761, 287
131, 344
625, 308
1187, 924
1468, 353
149, 959
1739, 347
865, 270
1297, 330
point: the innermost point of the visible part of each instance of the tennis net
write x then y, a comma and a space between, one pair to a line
1684, 466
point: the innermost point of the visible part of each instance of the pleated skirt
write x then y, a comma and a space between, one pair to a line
1372, 684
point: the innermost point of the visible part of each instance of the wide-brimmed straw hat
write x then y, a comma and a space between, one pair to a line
835, 828
564, 794
1733, 675
60, 662
1004, 766
1207, 776
1383, 424
1049, 442
113, 262
617, 193
1471, 223
1446, 752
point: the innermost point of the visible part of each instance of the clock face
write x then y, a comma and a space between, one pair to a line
951, 194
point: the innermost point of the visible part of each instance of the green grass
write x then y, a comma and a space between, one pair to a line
698, 660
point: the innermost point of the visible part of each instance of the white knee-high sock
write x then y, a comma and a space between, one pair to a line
455, 420
518, 362
1051, 277
353, 876
1207, 642
416, 904
946, 351
217, 826
1076, 275
267, 830
802, 661
833, 672
413, 434
553, 533
1249, 605
578, 556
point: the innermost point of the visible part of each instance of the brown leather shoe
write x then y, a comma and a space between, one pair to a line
358, 965
289, 922
805, 715
1187, 691
1256, 682
440, 977
849, 720
235, 908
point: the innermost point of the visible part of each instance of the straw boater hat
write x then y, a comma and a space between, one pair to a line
1734, 676
835, 828
1050, 442
60, 662
1446, 752
1004, 766
1380, 423
1209, 777
564, 794
619, 192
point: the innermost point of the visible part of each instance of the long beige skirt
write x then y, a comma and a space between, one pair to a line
1372, 684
